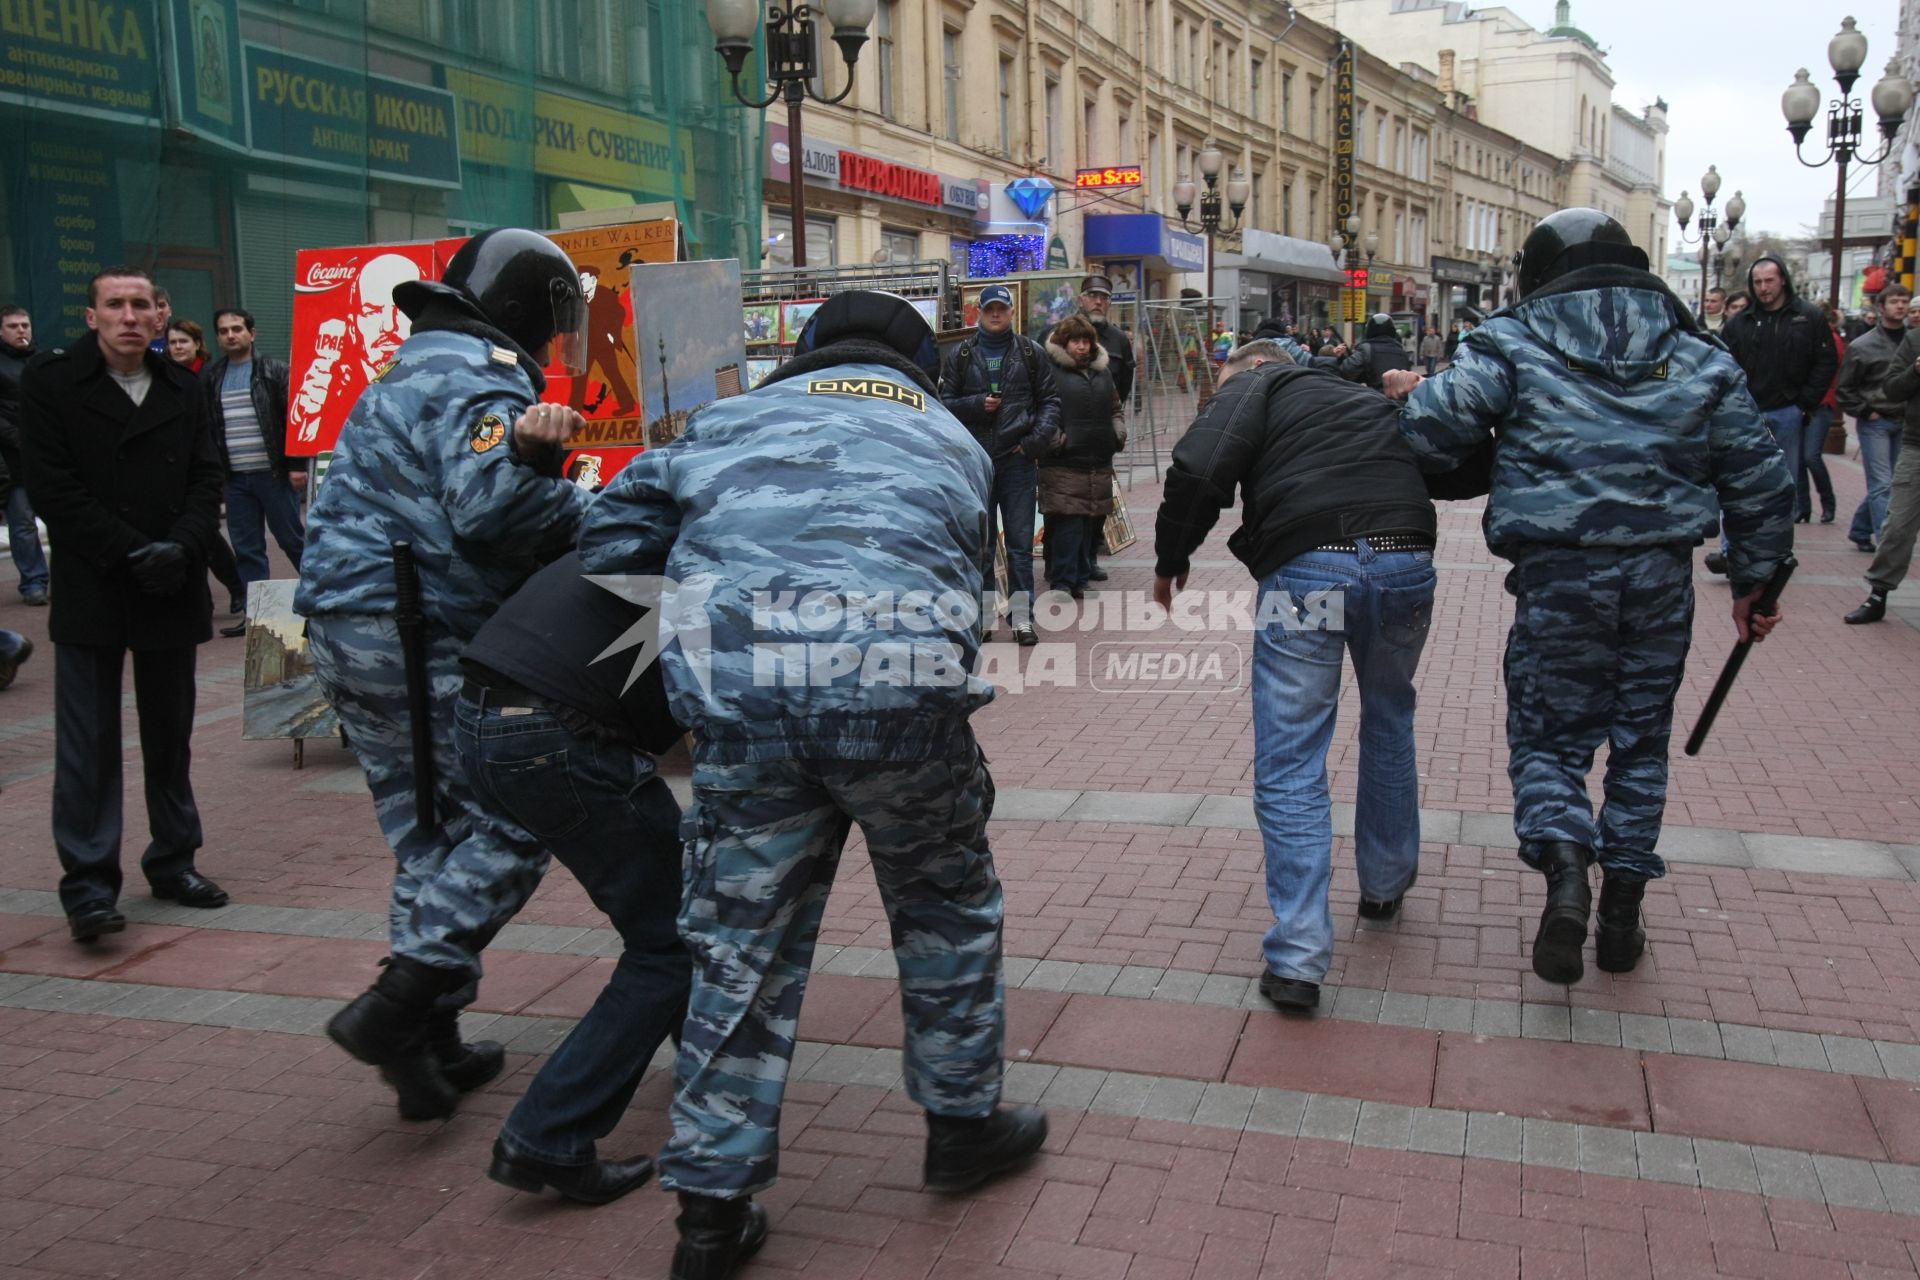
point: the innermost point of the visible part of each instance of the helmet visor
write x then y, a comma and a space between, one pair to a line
569, 342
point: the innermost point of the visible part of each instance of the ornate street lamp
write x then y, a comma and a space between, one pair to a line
791, 69
1238, 189
1712, 231
1892, 98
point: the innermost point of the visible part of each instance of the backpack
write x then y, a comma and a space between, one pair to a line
963, 357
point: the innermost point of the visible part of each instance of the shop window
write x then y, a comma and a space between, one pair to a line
898, 246
823, 240
576, 43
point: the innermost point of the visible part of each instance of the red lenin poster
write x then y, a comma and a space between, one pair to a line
345, 327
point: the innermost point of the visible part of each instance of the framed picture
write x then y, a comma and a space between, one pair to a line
1119, 528
929, 309
794, 317
757, 370
970, 300
762, 323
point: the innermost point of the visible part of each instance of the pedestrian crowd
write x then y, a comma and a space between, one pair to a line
508, 653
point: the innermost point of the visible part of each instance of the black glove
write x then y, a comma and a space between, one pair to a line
159, 567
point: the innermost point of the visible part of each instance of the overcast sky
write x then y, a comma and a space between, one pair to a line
1722, 67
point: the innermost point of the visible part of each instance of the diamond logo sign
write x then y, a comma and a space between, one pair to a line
1030, 195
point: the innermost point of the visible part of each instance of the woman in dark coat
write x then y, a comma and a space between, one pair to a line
1076, 477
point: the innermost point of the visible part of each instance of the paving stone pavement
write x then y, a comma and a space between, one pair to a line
1743, 1105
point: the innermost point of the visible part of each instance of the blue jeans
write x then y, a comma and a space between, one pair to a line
258, 501
1879, 450
1016, 486
1812, 461
607, 816
1375, 606
1070, 542
23, 541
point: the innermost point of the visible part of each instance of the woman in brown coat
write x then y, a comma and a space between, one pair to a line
1076, 477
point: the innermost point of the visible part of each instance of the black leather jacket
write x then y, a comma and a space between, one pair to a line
268, 388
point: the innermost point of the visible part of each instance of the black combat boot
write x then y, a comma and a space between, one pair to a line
1872, 609
1619, 941
1563, 925
716, 1236
387, 1026
466, 1066
965, 1151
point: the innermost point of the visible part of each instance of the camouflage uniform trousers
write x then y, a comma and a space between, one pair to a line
763, 842
457, 883
1596, 655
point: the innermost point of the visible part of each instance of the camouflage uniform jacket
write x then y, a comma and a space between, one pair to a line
427, 455
1616, 427
773, 513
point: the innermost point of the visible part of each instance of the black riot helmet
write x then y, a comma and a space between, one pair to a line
886, 318
1382, 326
1571, 239
528, 288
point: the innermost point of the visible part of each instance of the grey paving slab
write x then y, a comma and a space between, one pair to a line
883, 965
1386, 1125
1092, 979
1850, 1182
1074, 1088
1050, 975
1666, 1157
1909, 855
1824, 857
1180, 985
1024, 1082
1277, 1111
882, 1070
1440, 1131
846, 962
1554, 1144
1343, 815
1545, 1022
1704, 845
1358, 1004
1489, 830
543, 1038
1852, 1055
838, 1063
1695, 1037
1017, 969
1224, 989
12, 984
1746, 1044
1496, 1018
1641, 1031
67, 995
170, 1004
1027, 804
1799, 1049
1401, 1009
1596, 1026
1122, 1094
1788, 1174
1220, 811
1493, 1137
1173, 1100
1135, 981
1608, 1151
1449, 1013
1726, 1166
1225, 1106
1131, 808
1330, 1117
1899, 1061
1440, 826
1900, 1184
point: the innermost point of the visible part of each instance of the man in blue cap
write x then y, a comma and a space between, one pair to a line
1000, 385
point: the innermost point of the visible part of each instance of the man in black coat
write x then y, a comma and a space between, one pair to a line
1381, 350
1339, 532
123, 470
16, 349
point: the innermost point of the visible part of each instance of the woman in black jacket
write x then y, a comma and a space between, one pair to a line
1076, 477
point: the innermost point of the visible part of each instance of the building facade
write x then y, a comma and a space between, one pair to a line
208, 140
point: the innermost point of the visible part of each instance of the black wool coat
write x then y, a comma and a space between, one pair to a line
109, 477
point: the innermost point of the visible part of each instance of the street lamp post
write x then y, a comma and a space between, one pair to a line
791, 68
1713, 233
1237, 191
1892, 97
1342, 243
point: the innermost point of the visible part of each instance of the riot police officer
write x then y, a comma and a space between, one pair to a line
447, 449
1621, 435
832, 525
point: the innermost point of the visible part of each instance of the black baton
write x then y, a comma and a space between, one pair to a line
411, 622
1768, 602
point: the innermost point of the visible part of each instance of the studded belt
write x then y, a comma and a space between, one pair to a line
1383, 542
